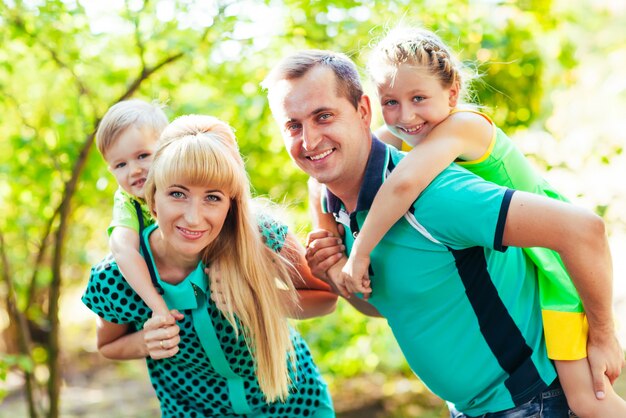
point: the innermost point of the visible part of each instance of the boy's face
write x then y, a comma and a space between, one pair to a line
130, 157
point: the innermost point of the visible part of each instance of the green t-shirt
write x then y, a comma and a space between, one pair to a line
125, 214
463, 308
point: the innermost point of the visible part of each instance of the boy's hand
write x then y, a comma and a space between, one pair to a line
355, 275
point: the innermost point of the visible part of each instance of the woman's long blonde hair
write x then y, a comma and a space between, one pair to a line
203, 150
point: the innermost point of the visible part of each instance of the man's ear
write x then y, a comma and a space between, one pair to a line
365, 109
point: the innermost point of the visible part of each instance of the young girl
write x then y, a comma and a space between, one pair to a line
419, 85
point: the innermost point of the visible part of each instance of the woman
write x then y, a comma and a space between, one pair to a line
238, 358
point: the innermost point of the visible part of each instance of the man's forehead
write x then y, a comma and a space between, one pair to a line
296, 98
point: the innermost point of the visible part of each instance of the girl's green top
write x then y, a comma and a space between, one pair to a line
564, 320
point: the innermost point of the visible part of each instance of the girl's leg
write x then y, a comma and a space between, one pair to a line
575, 377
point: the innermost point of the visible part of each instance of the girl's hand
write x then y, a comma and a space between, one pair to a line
355, 275
161, 335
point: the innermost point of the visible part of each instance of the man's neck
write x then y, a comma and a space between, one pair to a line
348, 194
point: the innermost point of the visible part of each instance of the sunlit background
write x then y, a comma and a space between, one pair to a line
552, 75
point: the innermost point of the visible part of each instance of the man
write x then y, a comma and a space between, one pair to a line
465, 312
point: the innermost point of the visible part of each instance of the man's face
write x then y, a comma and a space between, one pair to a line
324, 134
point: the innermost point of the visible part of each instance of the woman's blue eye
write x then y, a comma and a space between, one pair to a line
177, 195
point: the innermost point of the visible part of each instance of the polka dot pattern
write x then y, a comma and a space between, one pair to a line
186, 384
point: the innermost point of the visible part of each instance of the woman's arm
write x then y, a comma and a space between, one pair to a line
158, 339
448, 141
315, 296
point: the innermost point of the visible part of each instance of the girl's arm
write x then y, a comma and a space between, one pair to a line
124, 244
460, 136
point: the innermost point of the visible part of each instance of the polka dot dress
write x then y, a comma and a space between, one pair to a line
187, 385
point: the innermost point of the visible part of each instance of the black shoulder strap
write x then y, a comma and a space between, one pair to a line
142, 243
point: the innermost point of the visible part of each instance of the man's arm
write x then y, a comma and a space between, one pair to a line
579, 236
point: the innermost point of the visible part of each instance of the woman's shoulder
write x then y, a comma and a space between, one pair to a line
110, 296
273, 230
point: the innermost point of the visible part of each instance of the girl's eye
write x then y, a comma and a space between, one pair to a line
418, 98
144, 155
120, 165
177, 194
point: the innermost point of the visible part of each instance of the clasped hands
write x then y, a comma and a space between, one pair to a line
325, 255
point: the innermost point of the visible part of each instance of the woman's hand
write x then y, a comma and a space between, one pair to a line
161, 335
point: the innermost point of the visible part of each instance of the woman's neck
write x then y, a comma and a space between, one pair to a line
173, 267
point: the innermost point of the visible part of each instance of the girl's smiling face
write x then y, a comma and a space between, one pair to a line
414, 101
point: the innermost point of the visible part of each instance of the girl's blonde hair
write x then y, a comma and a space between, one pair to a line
255, 280
420, 48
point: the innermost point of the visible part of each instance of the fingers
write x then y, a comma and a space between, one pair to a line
167, 347
317, 234
321, 249
161, 335
362, 285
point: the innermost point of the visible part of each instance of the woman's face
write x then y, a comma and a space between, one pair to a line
190, 217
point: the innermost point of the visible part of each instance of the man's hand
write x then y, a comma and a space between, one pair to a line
605, 357
323, 251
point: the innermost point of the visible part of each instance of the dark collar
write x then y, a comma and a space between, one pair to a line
372, 180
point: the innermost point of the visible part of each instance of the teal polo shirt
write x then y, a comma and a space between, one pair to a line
463, 308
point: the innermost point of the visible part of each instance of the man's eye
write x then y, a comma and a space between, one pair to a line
294, 127
324, 116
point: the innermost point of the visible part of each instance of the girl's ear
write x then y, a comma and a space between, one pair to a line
454, 92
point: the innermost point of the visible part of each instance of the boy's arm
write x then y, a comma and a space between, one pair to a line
579, 237
124, 244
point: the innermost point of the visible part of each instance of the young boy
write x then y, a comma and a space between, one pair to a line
126, 138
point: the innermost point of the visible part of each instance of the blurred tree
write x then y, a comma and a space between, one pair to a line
64, 62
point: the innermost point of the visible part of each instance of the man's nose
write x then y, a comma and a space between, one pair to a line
310, 138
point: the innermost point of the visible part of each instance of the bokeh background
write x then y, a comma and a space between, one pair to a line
551, 74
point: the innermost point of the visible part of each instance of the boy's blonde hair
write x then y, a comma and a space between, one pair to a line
420, 48
127, 113
202, 150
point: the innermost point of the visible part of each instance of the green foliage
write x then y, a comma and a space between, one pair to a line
62, 64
